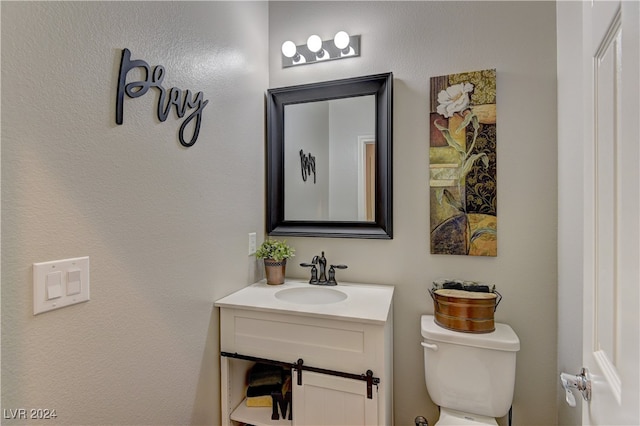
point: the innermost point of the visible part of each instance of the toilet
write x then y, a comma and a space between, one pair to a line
470, 376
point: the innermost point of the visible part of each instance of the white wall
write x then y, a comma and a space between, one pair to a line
570, 199
165, 227
418, 40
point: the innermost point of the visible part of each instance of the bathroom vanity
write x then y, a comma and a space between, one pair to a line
337, 340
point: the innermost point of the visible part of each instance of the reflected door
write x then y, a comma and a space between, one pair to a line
370, 180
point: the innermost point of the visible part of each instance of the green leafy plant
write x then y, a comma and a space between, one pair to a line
275, 249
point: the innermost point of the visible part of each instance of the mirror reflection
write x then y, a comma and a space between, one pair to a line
329, 160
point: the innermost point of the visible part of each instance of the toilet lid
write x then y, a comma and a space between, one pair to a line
502, 338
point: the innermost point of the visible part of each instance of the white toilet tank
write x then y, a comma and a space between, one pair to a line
472, 373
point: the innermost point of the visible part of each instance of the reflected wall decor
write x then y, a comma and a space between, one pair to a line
462, 164
308, 165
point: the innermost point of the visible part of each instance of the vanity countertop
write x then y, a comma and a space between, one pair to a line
369, 303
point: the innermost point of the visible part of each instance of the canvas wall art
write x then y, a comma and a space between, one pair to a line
462, 164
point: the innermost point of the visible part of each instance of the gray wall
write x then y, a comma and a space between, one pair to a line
165, 227
418, 40
571, 148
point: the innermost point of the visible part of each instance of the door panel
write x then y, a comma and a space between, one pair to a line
611, 217
328, 400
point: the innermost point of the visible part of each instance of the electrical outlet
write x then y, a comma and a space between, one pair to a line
252, 243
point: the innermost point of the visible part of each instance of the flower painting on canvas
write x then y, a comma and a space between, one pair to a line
462, 164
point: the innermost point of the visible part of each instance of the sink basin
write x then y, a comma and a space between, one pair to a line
370, 303
311, 295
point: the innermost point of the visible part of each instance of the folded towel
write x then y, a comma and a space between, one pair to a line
267, 400
463, 285
265, 374
260, 401
286, 386
263, 390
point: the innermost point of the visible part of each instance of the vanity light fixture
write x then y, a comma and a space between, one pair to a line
314, 44
342, 41
290, 51
315, 50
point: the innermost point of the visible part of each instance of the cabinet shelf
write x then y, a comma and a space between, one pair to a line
257, 416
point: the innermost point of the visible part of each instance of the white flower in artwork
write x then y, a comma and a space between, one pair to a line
454, 99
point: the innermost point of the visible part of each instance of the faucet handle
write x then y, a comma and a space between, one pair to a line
332, 274
314, 272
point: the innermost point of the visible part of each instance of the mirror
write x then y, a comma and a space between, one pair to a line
329, 148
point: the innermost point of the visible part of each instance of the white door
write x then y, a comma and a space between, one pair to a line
328, 400
611, 321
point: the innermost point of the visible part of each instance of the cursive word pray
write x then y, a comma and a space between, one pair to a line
167, 99
308, 165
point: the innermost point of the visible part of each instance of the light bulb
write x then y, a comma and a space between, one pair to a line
341, 40
289, 49
314, 43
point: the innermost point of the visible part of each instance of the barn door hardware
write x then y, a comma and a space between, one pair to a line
299, 366
367, 377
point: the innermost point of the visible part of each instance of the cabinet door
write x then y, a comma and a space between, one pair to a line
332, 401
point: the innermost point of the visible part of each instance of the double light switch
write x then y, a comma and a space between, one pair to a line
60, 283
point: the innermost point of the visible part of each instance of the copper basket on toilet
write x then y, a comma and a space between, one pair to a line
465, 311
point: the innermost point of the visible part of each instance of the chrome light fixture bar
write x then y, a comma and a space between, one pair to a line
315, 50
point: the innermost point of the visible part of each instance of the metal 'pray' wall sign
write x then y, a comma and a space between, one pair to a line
168, 98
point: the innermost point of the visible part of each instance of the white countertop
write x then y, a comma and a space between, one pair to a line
364, 302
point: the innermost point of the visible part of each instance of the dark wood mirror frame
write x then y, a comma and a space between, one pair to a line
379, 85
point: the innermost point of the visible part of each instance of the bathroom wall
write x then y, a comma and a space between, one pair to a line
570, 199
415, 41
165, 226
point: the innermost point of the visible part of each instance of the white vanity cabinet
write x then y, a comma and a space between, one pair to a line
336, 342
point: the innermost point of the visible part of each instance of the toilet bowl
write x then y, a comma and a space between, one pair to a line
471, 377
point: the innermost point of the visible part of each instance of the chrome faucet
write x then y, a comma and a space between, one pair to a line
321, 263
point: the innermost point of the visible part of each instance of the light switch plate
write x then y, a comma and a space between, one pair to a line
73, 278
252, 243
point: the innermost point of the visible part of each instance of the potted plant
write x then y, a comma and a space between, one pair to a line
275, 254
